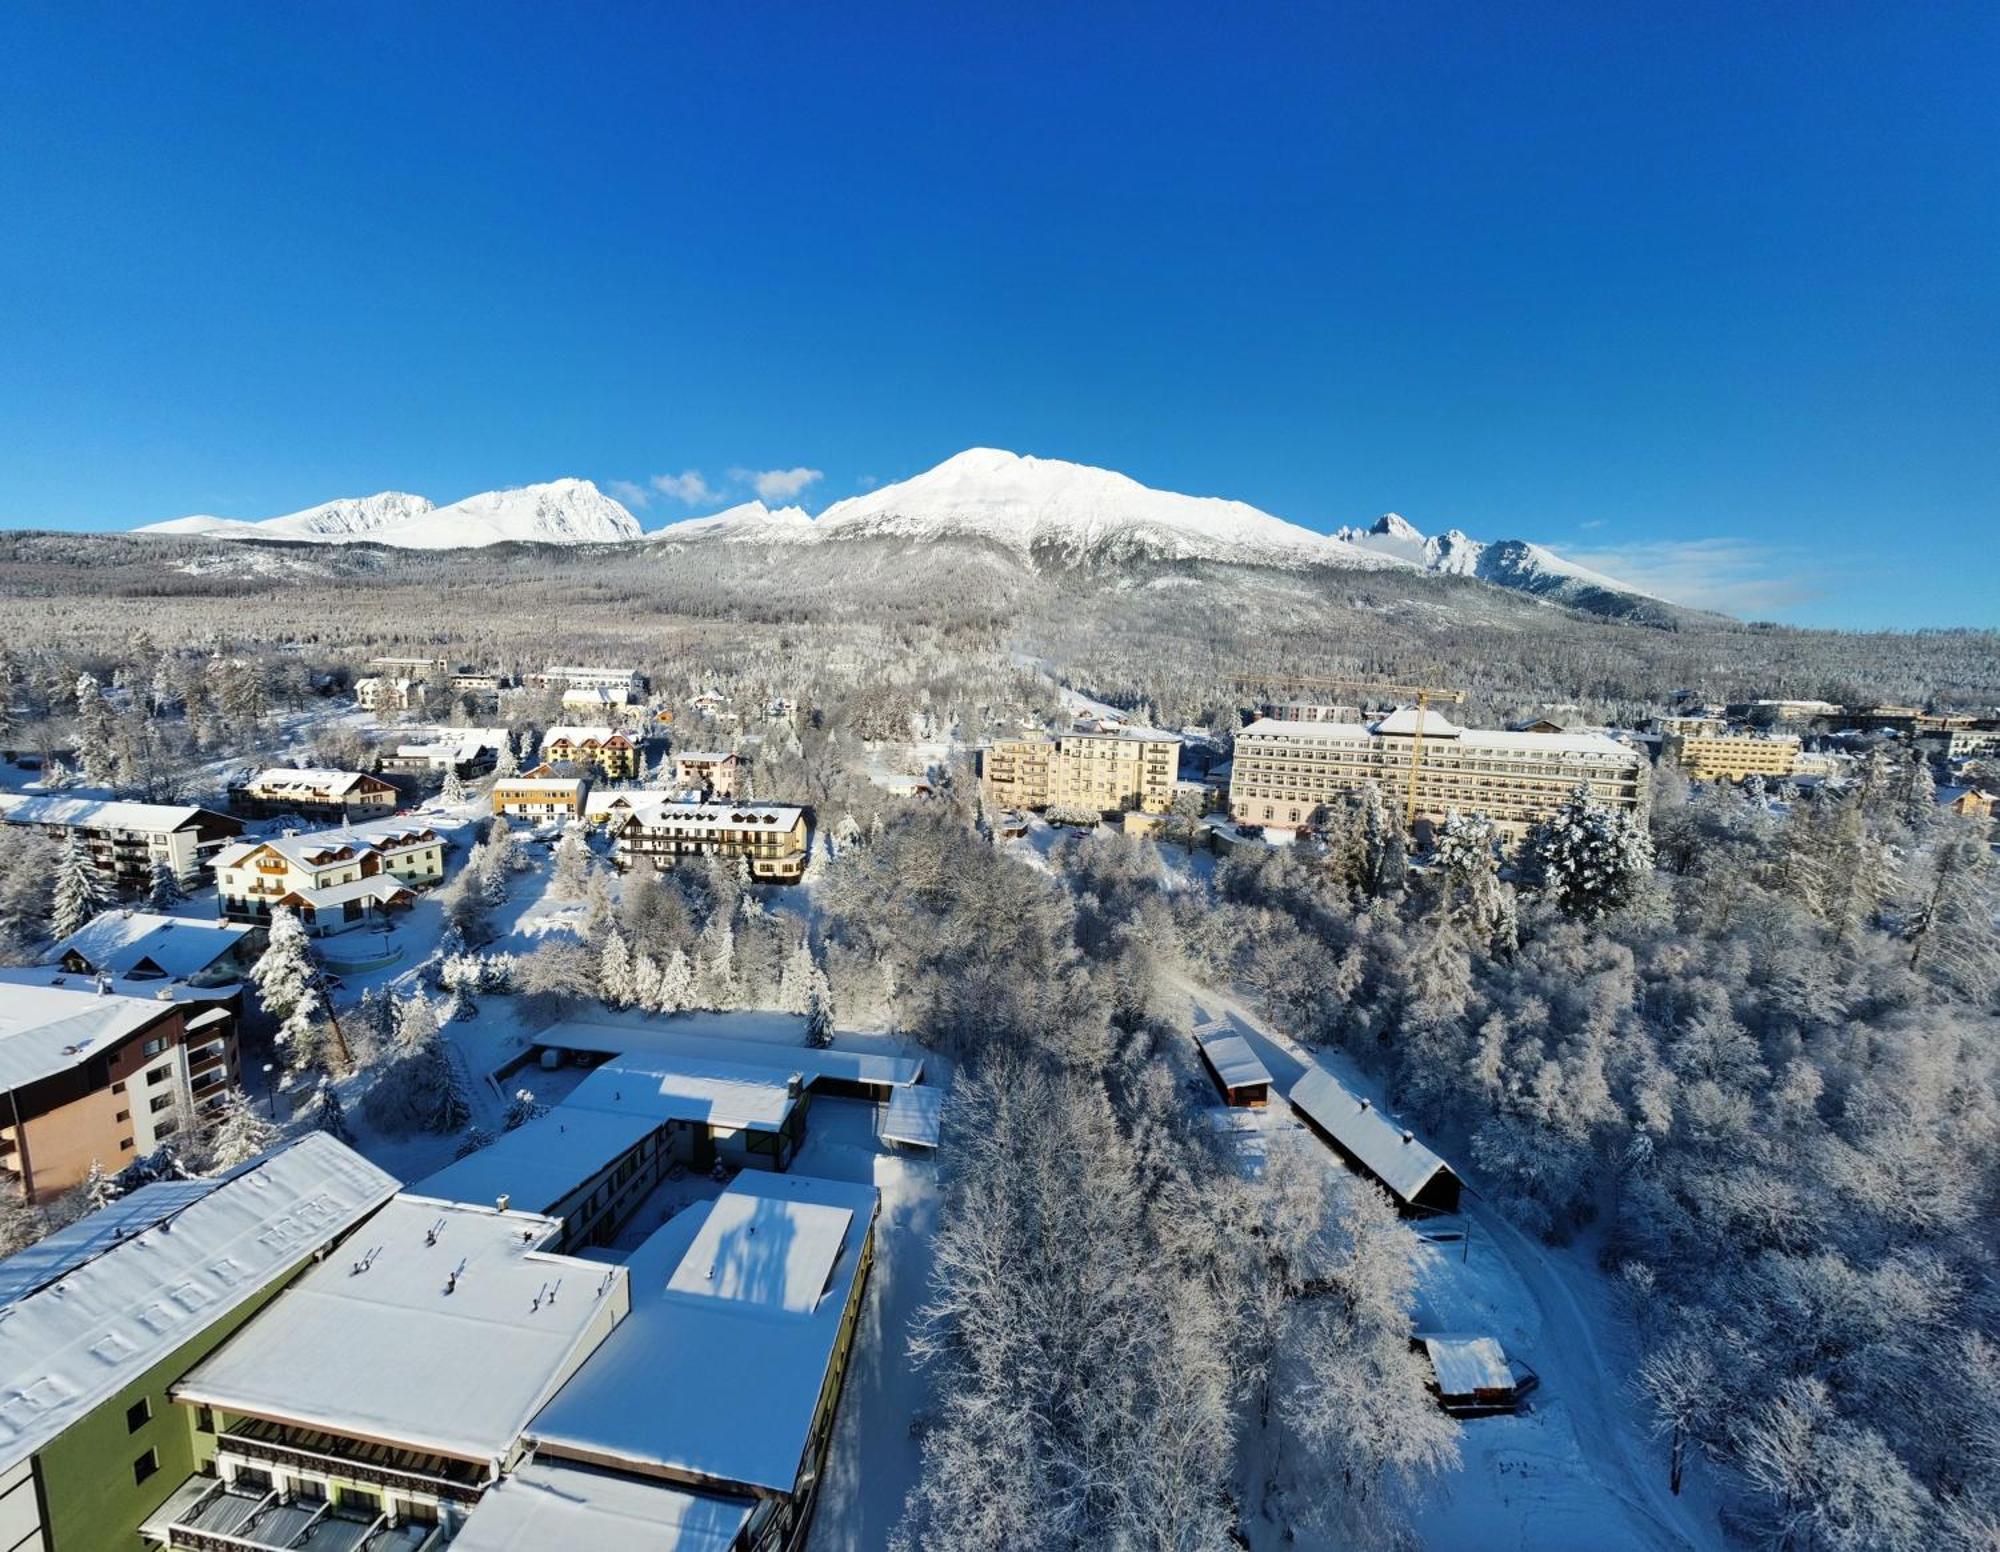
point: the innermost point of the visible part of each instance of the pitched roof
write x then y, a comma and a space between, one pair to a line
1403, 722
1233, 1060
45, 1030
327, 783
86, 1319
121, 941
103, 814
718, 816
737, 1306
1390, 1153
581, 735
454, 1331
1464, 1364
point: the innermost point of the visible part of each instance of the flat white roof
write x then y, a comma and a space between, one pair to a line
118, 940
915, 1117
87, 1317
45, 1030
101, 813
719, 1380
541, 1161
1437, 727
548, 1505
723, 1095
1233, 1060
725, 1037
1394, 1157
455, 1331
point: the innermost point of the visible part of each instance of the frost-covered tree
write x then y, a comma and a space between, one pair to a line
615, 982
475, 1138
819, 1010
79, 891
715, 964
676, 993
1467, 866
327, 1114
236, 1132
452, 789
98, 1190
1588, 859
417, 1022
164, 891
572, 865
287, 987
1951, 925
521, 1109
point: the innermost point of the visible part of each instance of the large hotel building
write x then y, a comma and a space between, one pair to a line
1284, 770
1102, 771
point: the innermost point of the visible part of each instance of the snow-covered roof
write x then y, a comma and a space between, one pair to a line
736, 1311
1390, 1153
718, 1094
1469, 739
915, 1117
519, 786
1234, 1062
548, 1505
127, 1292
1464, 1364
715, 1037
45, 1030
1123, 734
719, 816
103, 814
323, 783
453, 1332
316, 848
1406, 720
581, 735
541, 1161
704, 756
609, 801
120, 941
382, 888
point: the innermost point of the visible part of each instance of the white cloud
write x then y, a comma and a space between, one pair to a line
777, 484
632, 495
687, 487
867, 482
1735, 576
1590, 523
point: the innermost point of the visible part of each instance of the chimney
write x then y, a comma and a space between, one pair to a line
795, 1085
1365, 1105
1406, 1135
500, 1202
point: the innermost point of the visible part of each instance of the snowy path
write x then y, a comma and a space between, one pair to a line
1576, 1472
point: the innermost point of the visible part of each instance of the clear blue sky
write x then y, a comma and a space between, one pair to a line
1705, 292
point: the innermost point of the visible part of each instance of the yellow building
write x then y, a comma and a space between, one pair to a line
1101, 771
540, 795
1706, 754
1282, 771
614, 754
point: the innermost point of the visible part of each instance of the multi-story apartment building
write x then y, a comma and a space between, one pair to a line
314, 794
90, 1077
1099, 770
333, 880
629, 679
1706, 755
416, 667
612, 753
124, 840
1282, 771
389, 693
469, 751
104, 1316
1308, 711
1976, 738
709, 772
540, 795
772, 837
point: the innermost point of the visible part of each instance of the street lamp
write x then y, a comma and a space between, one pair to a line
270, 1090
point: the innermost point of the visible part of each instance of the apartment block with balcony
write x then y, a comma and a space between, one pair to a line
1706, 755
1097, 770
125, 840
612, 754
772, 837
711, 772
540, 796
1282, 771
579, 678
334, 880
314, 794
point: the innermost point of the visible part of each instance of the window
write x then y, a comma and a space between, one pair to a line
138, 1414
124, 1143
154, 1046
123, 1115
145, 1466
204, 1420
159, 1075
160, 1102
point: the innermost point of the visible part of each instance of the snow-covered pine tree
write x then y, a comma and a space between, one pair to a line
572, 870
646, 980
446, 1105
328, 1114
615, 984
819, 1010
79, 892
795, 983
452, 790
416, 1022
505, 762
715, 964
237, 1132
475, 1138
1588, 859
676, 992
521, 1109
164, 891
98, 1190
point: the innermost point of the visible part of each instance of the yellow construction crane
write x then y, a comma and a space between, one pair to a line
1422, 694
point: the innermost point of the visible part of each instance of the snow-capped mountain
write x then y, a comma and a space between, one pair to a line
1059, 512
1513, 563
560, 512
750, 523
354, 517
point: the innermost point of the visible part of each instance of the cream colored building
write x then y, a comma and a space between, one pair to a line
1104, 770
333, 880
1282, 771
540, 795
1709, 755
773, 836
380, 693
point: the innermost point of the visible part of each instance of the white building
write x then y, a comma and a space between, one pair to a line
333, 879
125, 840
576, 678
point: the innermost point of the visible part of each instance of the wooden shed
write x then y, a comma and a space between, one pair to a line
1237, 1072
1375, 1144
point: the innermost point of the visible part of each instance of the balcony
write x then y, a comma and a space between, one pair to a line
305, 1450
208, 1515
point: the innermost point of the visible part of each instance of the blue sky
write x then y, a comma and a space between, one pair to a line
1707, 294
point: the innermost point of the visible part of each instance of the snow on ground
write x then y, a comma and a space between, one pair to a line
1575, 1472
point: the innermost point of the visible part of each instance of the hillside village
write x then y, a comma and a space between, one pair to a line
475, 1112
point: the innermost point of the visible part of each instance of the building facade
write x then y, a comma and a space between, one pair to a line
614, 755
93, 1078
628, 679
1100, 771
709, 772
124, 840
314, 794
387, 693
333, 881
772, 838
1707, 755
540, 795
1283, 771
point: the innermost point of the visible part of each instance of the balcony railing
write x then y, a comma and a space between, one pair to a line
376, 1465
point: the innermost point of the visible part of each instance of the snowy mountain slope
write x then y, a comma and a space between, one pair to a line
353, 517
1511, 563
1059, 511
751, 522
560, 512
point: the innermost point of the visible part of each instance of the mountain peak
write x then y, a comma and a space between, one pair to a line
1393, 525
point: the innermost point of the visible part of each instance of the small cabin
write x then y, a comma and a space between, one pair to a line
1239, 1075
1472, 1376
1378, 1146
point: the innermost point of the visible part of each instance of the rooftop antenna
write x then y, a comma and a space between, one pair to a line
451, 1282
431, 1234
